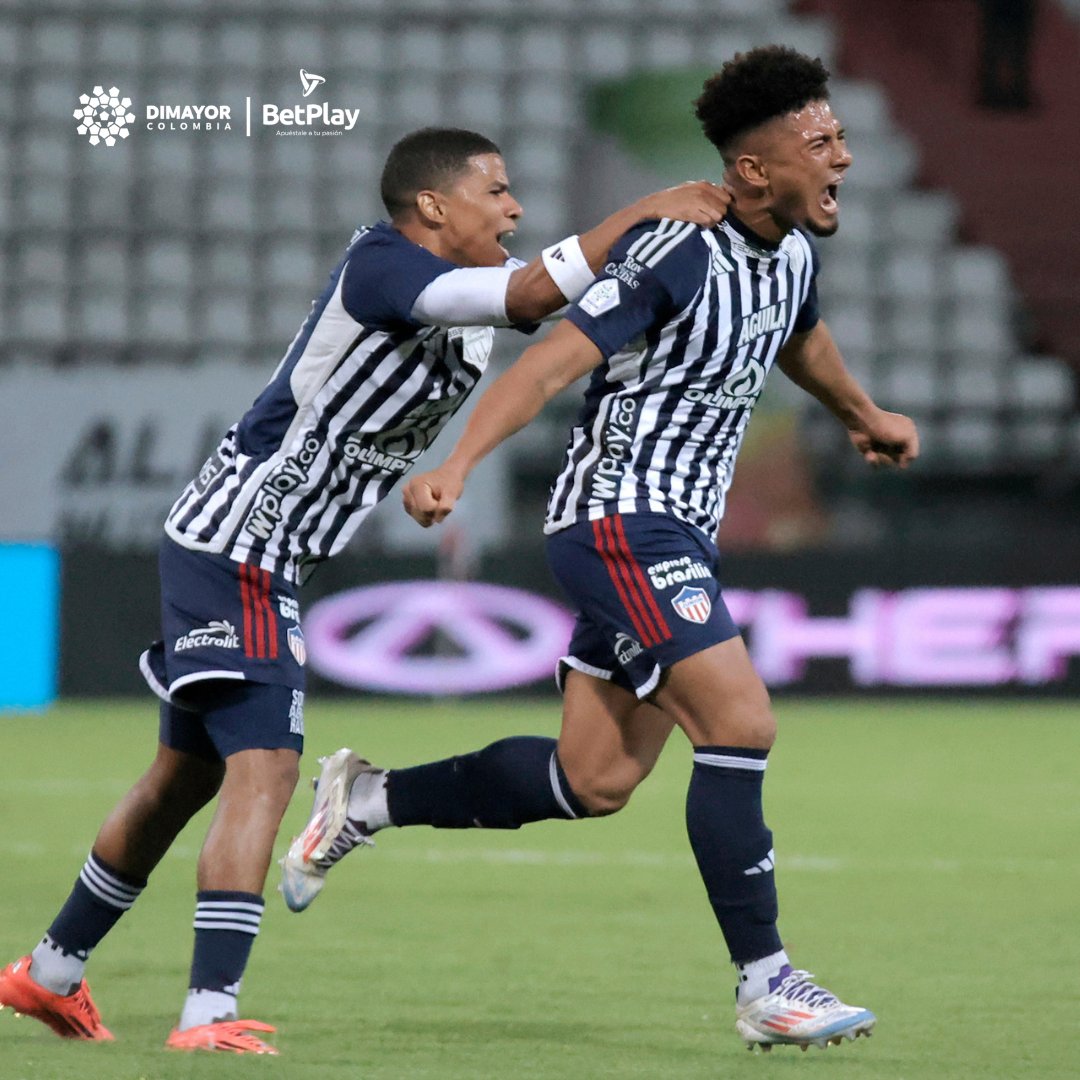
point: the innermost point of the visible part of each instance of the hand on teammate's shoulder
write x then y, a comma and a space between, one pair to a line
698, 201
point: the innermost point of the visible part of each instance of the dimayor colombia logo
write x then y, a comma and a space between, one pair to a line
103, 116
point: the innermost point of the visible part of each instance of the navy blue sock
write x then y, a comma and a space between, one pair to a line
100, 896
504, 786
733, 847
226, 923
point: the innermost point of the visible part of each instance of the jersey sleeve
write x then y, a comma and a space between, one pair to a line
382, 280
653, 272
809, 314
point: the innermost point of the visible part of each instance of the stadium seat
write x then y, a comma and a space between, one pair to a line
607, 50
174, 43
912, 384
163, 317
860, 106
56, 42
1043, 383
974, 442
978, 272
226, 317
664, 50
911, 274
360, 48
545, 49
924, 218
102, 315
979, 328
167, 263
853, 326
974, 387
42, 316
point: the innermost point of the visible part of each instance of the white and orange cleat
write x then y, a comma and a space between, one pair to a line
798, 1012
229, 1036
329, 833
71, 1016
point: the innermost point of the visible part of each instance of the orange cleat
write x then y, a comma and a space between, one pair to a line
232, 1035
71, 1016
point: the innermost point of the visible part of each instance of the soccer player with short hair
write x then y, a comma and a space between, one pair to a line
679, 332
389, 351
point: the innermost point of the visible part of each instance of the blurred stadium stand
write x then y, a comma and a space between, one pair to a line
186, 247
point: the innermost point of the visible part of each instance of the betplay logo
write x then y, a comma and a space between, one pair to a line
316, 118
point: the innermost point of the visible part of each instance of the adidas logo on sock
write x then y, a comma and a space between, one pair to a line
764, 866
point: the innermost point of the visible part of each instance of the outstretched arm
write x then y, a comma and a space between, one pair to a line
502, 296
510, 403
533, 292
813, 362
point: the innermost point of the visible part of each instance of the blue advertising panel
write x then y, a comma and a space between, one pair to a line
29, 649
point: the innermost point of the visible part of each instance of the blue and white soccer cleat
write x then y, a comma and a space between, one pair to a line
329, 834
798, 1012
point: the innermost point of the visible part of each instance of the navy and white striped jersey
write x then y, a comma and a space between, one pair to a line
362, 391
689, 321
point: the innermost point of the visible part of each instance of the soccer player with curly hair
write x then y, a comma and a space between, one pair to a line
678, 333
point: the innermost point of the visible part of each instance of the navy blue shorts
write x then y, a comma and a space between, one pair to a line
647, 593
228, 624
219, 718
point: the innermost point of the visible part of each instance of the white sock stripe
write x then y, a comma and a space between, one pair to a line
230, 905
228, 915
730, 761
244, 928
242, 916
556, 787
105, 887
103, 877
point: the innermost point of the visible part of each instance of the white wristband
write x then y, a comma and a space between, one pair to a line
568, 267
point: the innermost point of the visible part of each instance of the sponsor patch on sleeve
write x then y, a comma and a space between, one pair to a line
601, 297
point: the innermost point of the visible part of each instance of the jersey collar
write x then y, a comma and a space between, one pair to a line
767, 247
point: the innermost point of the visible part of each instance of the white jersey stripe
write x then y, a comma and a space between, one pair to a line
349, 409
682, 400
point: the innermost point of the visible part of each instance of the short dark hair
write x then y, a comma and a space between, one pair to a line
756, 87
429, 158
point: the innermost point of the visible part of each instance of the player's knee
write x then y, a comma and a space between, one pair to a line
266, 777
761, 730
178, 786
603, 796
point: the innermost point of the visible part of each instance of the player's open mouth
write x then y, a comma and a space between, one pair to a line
501, 237
829, 196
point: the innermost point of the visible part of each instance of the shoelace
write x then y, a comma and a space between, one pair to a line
350, 836
798, 987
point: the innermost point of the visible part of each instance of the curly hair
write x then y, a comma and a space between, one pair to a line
756, 87
429, 158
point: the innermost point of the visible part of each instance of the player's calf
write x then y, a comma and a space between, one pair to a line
505, 785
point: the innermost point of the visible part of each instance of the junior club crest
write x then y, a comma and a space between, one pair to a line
297, 646
692, 604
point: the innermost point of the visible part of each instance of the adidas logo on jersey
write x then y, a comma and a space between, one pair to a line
761, 322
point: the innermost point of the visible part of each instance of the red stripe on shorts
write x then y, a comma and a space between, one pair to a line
256, 606
245, 605
271, 618
622, 582
625, 558
643, 583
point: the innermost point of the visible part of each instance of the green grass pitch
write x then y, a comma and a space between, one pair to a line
927, 864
